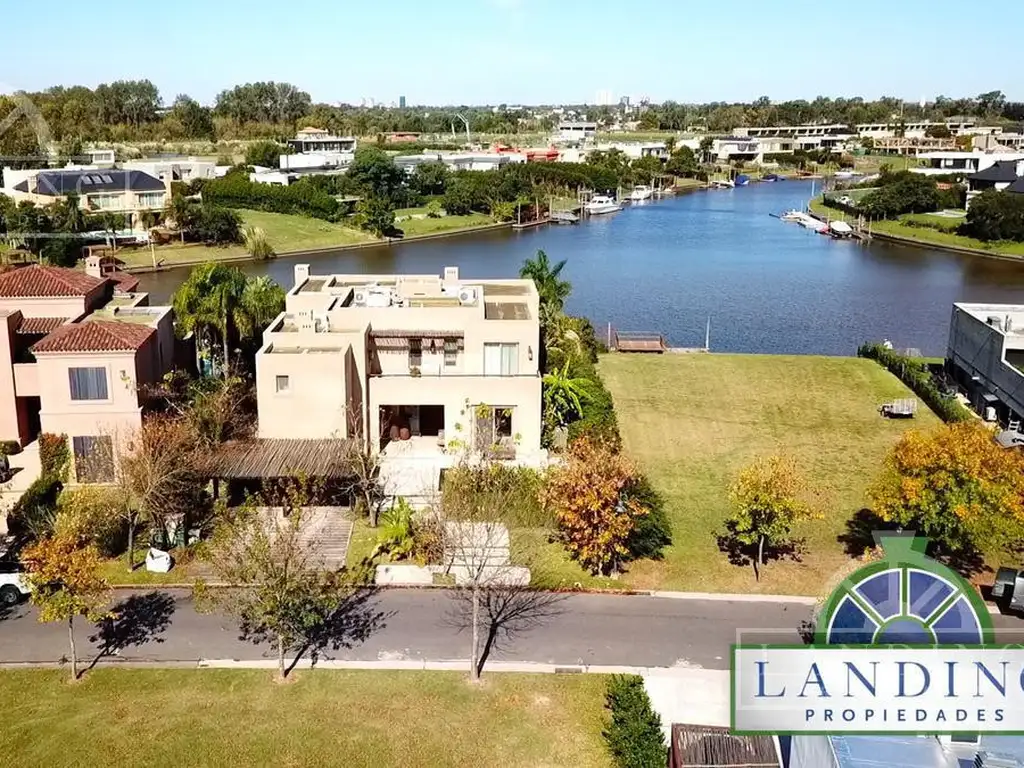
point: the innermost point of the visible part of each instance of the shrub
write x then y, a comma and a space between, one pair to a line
653, 532
90, 512
598, 420
54, 455
519, 487
236, 191
915, 374
216, 226
925, 221
634, 735
34, 514
995, 216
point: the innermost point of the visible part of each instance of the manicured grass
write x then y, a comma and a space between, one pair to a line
285, 233
693, 422
415, 227
116, 573
926, 234
352, 718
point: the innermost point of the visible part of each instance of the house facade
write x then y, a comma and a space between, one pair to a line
1005, 174
410, 364
75, 351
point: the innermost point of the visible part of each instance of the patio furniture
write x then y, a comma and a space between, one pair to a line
904, 408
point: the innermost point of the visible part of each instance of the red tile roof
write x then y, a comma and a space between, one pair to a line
40, 325
123, 281
95, 336
36, 280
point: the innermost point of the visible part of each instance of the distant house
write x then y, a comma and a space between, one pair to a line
576, 131
319, 140
1002, 175
124, 191
400, 137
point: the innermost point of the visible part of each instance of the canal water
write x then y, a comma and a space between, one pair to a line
667, 266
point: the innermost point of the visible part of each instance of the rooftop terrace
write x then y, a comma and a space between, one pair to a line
1008, 319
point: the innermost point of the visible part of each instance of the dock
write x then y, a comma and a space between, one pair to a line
531, 224
638, 342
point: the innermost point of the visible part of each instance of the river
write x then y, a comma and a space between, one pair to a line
667, 266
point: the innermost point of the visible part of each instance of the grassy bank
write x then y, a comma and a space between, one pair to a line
926, 235
693, 421
230, 718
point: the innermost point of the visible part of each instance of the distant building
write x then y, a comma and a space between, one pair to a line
319, 140
1002, 176
401, 137
184, 170
939, 163
576, 131
401, 102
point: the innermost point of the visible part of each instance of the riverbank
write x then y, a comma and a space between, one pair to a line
301, 236
925, 237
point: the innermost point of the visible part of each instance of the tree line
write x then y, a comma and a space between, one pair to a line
135, 110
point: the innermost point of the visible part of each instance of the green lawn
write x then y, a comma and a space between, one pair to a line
926, 234
416, 227
285, 233
694, 421
115, 571
351, 718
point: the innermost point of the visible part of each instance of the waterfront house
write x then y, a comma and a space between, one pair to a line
75, 348
1004, 175
183, 169
122, 191
745, 149
985, 357
940, 163
319, 140
410, 365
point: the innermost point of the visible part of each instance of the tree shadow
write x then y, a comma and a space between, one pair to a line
506, 612
862, 531
349, 623
746, 555
135, 621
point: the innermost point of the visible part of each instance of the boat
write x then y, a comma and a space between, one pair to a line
742, 180
600, 204
792, 215
723, 183
564, 217
840, 229
641, 192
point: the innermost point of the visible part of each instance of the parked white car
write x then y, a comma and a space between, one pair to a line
13, 588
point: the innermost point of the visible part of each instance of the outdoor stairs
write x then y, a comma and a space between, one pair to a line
416, 480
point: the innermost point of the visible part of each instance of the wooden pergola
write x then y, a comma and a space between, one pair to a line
268, 459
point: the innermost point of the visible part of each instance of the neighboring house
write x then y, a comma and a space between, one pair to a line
939, 163
906, 752
319, 140
576, 131
634, 150
379, 358
75, 348
985, 356
462, 161
730, 149
1002, 175
183, 170
112, 190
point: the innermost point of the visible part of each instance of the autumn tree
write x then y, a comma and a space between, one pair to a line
955, 485
769, 496
157, 475
589, 497
63, 575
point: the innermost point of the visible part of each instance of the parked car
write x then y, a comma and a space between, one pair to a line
13, 587
846, 200
1008, 589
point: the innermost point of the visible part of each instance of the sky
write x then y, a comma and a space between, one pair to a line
513, 51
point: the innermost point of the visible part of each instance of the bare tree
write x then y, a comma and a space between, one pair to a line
364, 462
492, 597
280, 589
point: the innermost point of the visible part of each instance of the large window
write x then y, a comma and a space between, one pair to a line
501, 359
94, 458
107, 202
151, 200
88, 383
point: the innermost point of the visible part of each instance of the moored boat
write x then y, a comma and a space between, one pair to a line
840, 229
641, 192
600, 204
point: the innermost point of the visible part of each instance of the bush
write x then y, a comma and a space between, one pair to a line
916, 375
653, 532
90, 511
634, 736
216, 226
519, 487
265, 153
236, 191
598, 420
995, 216
34, 514
54, 455
925, 221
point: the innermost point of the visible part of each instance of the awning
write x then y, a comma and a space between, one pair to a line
273, 458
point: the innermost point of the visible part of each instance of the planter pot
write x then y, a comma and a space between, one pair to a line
404, 434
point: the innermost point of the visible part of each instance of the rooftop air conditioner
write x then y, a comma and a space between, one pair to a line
359, 297
467, 296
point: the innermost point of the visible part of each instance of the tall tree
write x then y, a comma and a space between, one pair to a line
547, 277
957, 486
63, 575
208, 303
196, 120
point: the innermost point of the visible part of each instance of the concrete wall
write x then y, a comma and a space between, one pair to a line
811, 752
9, 422
315, 405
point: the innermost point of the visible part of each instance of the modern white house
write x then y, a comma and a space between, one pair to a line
319, 140
183, 169
635, 150
569, 130
962, 162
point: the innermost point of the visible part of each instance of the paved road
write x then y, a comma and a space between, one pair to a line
589, 630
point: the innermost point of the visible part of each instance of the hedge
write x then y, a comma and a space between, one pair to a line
634, 736
236, 191
915, 374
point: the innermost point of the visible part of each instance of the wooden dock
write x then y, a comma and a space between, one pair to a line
638, 342
530, 224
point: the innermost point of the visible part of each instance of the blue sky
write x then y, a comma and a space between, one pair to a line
516, 51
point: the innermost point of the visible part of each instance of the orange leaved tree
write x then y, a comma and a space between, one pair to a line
589, 497
63, 575
957, 486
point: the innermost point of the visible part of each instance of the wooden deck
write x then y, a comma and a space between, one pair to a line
639, 342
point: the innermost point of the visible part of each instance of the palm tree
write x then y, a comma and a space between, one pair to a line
564, 395
262, 300
209, 302
553, 291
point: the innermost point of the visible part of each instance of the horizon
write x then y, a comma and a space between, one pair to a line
496, 52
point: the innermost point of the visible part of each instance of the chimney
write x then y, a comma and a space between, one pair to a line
33, 183
92, 266
301, 273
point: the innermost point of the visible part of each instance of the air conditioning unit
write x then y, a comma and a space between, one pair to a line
359, 297
322, 324
467, 296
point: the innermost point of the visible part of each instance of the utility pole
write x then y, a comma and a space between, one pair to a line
466, 122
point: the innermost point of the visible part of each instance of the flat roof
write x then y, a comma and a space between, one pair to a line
982, 313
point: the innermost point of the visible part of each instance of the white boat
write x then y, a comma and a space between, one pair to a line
640, 193
840, 229
792, 215
602, 204
723, 183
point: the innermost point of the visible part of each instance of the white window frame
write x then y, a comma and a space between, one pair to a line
507, 361
107, 380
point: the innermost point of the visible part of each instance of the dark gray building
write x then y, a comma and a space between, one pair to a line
985, 356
